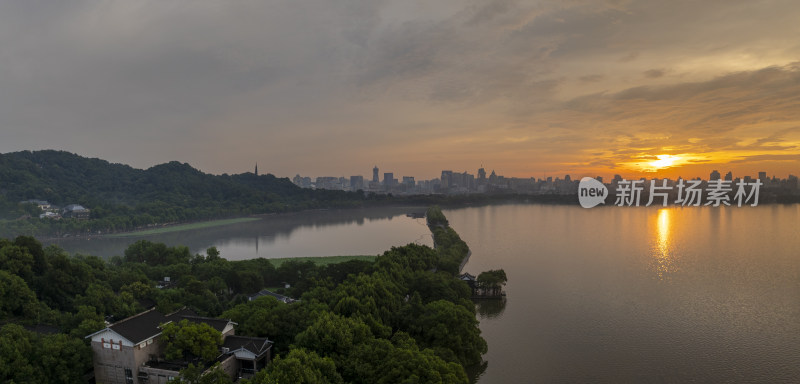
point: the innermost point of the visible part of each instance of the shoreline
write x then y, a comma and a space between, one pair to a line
192, 225
178, 227
197, 224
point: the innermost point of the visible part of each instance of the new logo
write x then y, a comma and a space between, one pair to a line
591, 192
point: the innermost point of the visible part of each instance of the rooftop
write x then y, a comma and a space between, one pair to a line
145, 325
75, 208
257, 345
218, 324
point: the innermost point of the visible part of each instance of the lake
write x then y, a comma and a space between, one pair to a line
304, 234
631, 295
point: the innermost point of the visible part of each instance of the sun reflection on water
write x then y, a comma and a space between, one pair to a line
664, 258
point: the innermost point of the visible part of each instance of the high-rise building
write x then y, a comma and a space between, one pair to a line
447, 179
481, 175
375, 174
388, 179
714, 175
762, 176
468, 180
457, 180
729, 176
356, 183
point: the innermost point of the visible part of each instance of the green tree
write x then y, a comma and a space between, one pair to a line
380, 361
492, 281
412, 256
435, 217
26, 357
66, 278
16, 354
150, 253
333, 335
101, 297
85, 322
186, 339
63, 359
16, 299
267, 317
34, 247
197, 374
16, 260
212, 254
376, 295
451, 330
140, 290
300, 366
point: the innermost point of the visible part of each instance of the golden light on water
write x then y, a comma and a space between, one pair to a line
665, 263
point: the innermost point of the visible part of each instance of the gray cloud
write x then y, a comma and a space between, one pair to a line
591, 78
654, 73
225, 84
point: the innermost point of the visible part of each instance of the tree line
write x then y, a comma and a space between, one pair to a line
122, 198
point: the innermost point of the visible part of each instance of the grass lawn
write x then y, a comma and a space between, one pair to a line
184, 227
323, 260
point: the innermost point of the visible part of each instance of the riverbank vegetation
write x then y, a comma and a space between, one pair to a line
322, 260
448, 243
402, 317
183, 227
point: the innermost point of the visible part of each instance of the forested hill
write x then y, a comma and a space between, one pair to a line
121, 197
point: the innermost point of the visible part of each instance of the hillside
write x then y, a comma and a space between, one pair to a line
121, 197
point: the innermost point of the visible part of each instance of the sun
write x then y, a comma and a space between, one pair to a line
664, 161
645, 162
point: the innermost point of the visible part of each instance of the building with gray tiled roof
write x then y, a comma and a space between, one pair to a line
131, 350
75, 211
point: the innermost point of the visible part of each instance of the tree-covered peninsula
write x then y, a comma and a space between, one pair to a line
405, 317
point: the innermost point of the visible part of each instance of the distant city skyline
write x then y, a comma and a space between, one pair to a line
669, 174
458, 182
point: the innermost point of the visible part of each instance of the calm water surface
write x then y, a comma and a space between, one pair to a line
639, 295
316, 233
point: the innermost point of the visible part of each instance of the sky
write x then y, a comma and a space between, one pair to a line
334, 87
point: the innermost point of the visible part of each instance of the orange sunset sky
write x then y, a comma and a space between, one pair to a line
526, 88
